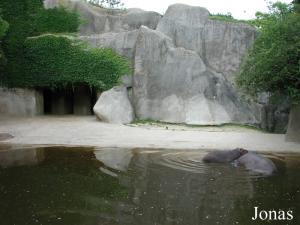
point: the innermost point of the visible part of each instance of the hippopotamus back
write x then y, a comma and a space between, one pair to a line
223, 156
257, 163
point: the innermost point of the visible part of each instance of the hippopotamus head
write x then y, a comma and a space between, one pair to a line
224, 156
238, 152
242, 151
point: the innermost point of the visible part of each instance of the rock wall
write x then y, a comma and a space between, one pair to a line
174, 85
21, 102
123, 42
99, 20
184, 62
221, 45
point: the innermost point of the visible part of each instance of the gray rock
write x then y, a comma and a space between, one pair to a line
100, 20
123, 42
184, 71
21, 102
226, 45
222, 45
174, 85
293, 131
257, 163
127, 81
184, 25
275, 115
113, 106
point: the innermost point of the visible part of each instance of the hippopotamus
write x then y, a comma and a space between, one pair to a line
257, 163
224, 156
241, 157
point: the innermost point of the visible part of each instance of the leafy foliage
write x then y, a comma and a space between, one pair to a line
50, 60
19, 14
273, 65
228, 18
57, 20
3, 28
54, 61
28, 18
106, 3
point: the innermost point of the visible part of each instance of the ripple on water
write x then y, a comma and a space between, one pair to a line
191, 162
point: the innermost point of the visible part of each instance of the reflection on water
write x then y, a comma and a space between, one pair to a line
73, 186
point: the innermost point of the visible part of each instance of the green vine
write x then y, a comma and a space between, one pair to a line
55, 61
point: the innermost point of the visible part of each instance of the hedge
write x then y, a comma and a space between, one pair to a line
56, 61
28, 18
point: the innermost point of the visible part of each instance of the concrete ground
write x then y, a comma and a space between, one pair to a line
88, 131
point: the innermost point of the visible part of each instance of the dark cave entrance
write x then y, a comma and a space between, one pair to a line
77, 100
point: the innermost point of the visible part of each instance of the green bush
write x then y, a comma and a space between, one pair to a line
3, 28
19, 14
55, 61
228, 18
273, 65
49, 60
57, 20
27, 18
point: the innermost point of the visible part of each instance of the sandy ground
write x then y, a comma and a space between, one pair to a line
88, 131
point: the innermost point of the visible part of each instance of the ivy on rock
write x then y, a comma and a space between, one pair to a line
59, 60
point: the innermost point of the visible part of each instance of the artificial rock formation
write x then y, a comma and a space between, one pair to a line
222, 45
123, 42
100, 20
113, 106
20, 102
175, 85
184, 62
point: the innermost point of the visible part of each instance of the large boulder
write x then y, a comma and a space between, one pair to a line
174, 85
123, 42
101, 20
222, 45
21, 102
293, 131
184, 25
113, 106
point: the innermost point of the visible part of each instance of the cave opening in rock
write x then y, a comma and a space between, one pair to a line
78, 100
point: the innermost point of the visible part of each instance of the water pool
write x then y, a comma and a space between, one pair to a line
87, 186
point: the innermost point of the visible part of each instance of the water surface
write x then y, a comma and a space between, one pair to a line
84, 186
